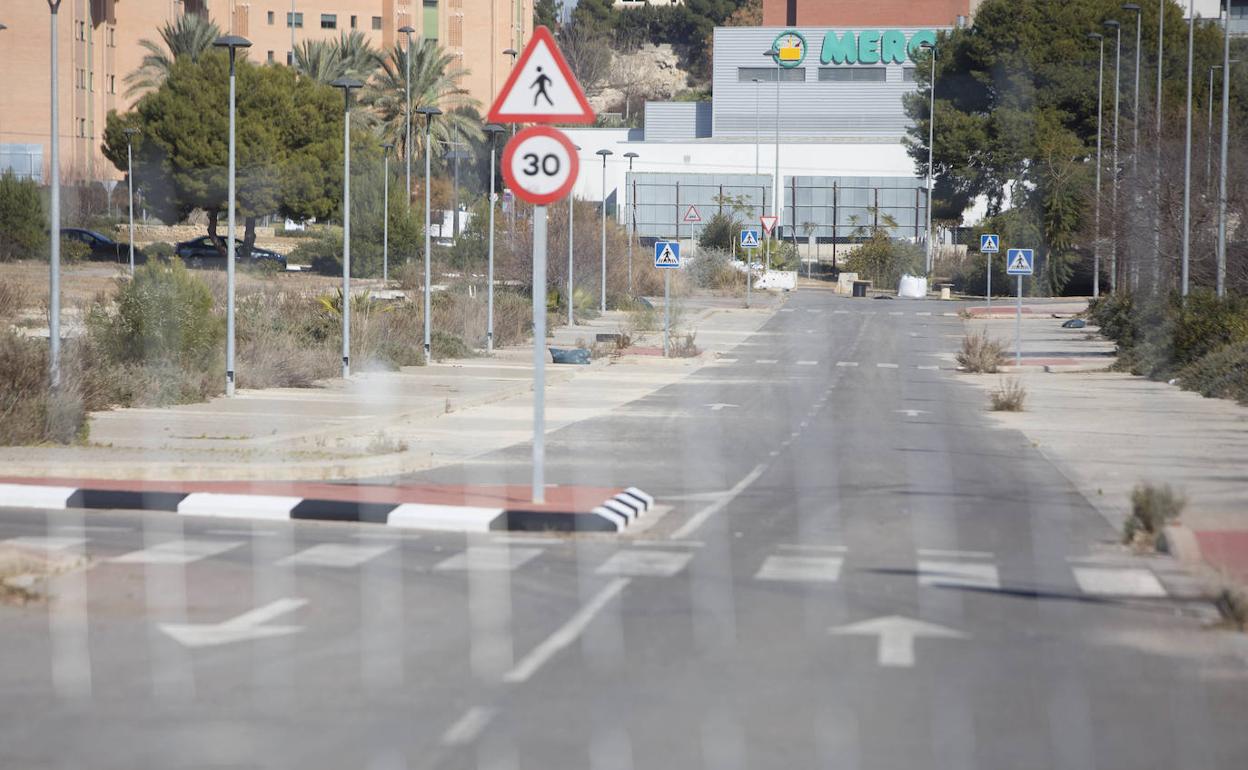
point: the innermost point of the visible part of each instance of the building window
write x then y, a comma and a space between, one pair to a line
298, 20
329, 21
82, 126
1239, 10
353, 22
290, 58
112, 84
376, 22
907, 74
270, 18
81, 31
112, 37
270, 57
768, 74
853, 74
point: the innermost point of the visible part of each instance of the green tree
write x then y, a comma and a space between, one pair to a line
350, 56
190, 36
545, 14
22, 219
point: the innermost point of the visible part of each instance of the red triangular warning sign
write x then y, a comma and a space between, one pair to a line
768, 222
692, 216
541, 88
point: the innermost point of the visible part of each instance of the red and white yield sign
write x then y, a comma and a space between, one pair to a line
768, 222
541, 88
540, 164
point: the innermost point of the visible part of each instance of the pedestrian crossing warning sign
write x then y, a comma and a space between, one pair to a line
1019, 262
749, 238
541, 87
667, 254
989, 243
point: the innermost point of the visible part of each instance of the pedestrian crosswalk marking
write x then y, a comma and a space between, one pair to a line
644, 563
846, 363
959, 574
334, 555
1117, 581
807, 363
799, 568
178, 551
886, 366
486, 558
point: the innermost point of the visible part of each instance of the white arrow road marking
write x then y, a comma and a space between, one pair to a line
718, 407
897, 635
911, 412
249, 625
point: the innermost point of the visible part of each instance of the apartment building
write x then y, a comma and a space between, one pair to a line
98, 44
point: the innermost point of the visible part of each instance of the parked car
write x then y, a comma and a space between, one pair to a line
102, 247
202, 252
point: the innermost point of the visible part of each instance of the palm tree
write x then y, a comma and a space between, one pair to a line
435, 82
327, 60
191, 35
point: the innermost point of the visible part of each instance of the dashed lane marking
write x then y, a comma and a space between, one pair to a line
344, 555
886, 366
958, 574
846, 363
489, 558
808, 569
566, 634
1107, 581
807, 363
181, 551
644, 563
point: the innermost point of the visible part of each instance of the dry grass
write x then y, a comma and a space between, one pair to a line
1152, 508
981, 354
1009, 396
684, 346
1232, 602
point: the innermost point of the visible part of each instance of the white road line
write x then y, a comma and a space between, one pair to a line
668, 543
43, 543
642, 563
812, 547
525, 540
807, 363
241, 532
808, 569
924, 312
928, 367
468, 727
724, 361
786, 310
701, 516
334, 555
766, 361
958, 573
896, 312
841, 312
489, 558
846, 363
886, 366
1118, 582
565, 634
177, 552
948, 554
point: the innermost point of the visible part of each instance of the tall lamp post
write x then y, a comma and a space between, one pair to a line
130, 132
1100, 92
54, 215
632, 227
1161, 36
385, 208
408, 31
931, 138
774, 55
1226, 109
492, 130
1131, 272
1209, 131
571, 243
1116, 27
346, 84
513, 53
604, 154
231, 43
430, 113
1187, 155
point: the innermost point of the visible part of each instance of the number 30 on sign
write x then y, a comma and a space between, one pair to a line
540, 164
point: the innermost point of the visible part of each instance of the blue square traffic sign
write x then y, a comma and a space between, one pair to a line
989, 243
750, 238
1020, 262
667, 254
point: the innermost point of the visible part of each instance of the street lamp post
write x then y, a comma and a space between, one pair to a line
774, 55
346, 84
430, 113
385, 208
1116, 26
1131, 270
1187, 155
231, 43
130, 132
54, 215
1156, 253
1226, 110
604, 154
407, 31
571, 243
1100, 91
492, 130
931, 139
632, 227
1209, 132
513, 53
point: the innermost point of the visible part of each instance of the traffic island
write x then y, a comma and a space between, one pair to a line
454, 508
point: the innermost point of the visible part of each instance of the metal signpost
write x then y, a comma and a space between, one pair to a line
693, 218
768, 221
989, 244
749, 245
667, 257
541, 165
1019, 262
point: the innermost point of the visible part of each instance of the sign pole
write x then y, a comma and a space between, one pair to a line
1018, 326
749, 274
988, 291
667, 313
539, 353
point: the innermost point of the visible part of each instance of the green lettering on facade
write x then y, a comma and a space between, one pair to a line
839, 50
920, 37
869, 46
893, 47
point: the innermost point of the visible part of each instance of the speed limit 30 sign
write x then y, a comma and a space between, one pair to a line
540, 164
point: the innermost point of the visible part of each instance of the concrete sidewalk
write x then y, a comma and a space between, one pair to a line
1109, 431
383, 423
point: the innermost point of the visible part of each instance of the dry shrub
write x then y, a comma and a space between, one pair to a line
683, 346
1009, 396
1232, 603
12, 300
981, 354
1152, 508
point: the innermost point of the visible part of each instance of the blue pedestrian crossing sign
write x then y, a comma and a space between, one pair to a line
749, 238
989, 243
1020, 262
667, 254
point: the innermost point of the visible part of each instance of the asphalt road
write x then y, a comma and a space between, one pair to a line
854, 569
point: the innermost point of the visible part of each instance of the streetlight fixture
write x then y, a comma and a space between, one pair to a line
931, 138
1187, 156
408, 31
604, 154
774, 55
571, 243
346, 84
1226, 109
385, 207
130, 132
513, 53
232, 43
1116, 27
632, 228
1100, 91
1131, 271
430, 113
493, 130
54, 256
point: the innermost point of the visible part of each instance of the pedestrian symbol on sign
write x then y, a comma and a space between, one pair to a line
989, 243
749, 238
667, 254
1019, 262
540, 84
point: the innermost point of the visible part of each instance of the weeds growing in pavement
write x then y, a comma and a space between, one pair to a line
1009, 396
1152, 507
980, 354
683, 346
1233, 604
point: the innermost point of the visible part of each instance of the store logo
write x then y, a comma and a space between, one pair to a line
789, 49
871, 46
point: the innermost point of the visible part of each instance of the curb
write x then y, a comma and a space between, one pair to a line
615, 513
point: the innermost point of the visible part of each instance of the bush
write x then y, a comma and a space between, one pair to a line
980, 354
22, 221
884, 260
1009, 397
712, 269
719, 233
158, 250
1152, 508
1220, 374
164, 314
73, 251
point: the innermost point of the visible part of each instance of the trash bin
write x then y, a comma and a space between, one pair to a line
946, 291
861, 287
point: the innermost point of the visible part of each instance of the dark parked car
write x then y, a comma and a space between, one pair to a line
202, 252
102, 247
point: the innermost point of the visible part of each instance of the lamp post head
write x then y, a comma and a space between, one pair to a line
347, 85
494, 129
3, 26
513, 53
604, 154
1111, 24
631, 155
407, 29
1095, 36
429, 112
232, 43
1131, 7
386, 147
925, 45
130, 131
